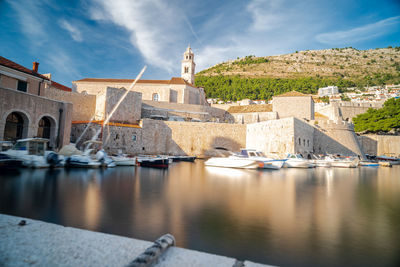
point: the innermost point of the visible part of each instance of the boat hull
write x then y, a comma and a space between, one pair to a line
153, 162
232, 163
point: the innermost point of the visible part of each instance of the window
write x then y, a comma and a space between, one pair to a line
304, 142
308, 142
155, 97
22, 86
299, 141
186, 70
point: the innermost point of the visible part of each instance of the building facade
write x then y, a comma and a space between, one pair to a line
25, 111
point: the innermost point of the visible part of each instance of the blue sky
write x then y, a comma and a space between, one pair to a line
116, 38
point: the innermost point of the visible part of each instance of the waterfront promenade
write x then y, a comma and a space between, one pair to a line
44, 244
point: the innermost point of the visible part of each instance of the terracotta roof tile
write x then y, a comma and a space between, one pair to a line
250, 108
12, 65
174, 80
60, 86
291, 93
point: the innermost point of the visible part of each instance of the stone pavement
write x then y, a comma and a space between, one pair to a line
45, 244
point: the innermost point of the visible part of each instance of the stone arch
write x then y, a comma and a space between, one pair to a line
16, 125
47, 128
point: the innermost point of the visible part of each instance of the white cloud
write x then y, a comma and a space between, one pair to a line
157, 28
266, 14
29, 17
358, 34
72, 30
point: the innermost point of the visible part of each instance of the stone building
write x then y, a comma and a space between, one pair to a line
293, 104
24, 109
179, 90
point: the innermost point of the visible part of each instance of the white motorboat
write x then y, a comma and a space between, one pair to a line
104, 159
232, 162
342, 162
124, 160
33, 153
297, 161
320, 161
264, 162
81, 161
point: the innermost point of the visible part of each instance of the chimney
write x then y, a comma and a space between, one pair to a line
35, 66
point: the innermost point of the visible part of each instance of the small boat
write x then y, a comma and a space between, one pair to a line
264, 162
81, 161
152, 161
186, 158
33, 154
104, 159
320, 161
297, 161
350, 162
232, 161
123, 160
8, 163
367, 163
392, 160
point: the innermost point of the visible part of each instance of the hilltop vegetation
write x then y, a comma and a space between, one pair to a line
305, 71
379, 120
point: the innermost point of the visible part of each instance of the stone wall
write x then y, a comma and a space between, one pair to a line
167, 137
301, 107
274, 138
254, 117
303, 138
32, 108
336, 137
373, 144
347, 110
201, 112
130, 108
167, 92
84, 105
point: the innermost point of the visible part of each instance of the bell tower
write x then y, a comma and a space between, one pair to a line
188, 66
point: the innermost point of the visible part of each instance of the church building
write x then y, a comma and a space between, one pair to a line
176, 90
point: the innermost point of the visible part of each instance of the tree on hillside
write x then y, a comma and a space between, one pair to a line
379, 120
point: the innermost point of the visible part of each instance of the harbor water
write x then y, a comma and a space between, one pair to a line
287, 217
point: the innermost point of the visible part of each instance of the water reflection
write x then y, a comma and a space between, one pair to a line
302, 217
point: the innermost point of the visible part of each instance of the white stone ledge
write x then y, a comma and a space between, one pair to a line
44, 244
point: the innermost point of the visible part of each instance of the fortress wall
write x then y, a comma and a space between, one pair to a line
84, 105
294, 106
201, 112
336, 137
168, 137
253, 117
373, 144
275, 137
129, 110
330, 111
303, 138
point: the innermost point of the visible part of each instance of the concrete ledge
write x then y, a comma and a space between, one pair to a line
45, 244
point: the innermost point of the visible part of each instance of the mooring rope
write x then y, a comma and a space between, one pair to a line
151, 254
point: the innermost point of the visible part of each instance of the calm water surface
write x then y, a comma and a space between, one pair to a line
290, 217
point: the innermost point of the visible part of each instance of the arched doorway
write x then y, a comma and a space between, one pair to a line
44, 128
15, 127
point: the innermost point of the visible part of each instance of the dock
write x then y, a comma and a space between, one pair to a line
31, 242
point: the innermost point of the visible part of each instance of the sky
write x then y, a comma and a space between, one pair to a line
80, 39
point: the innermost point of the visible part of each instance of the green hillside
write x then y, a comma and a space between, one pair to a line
305, 71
